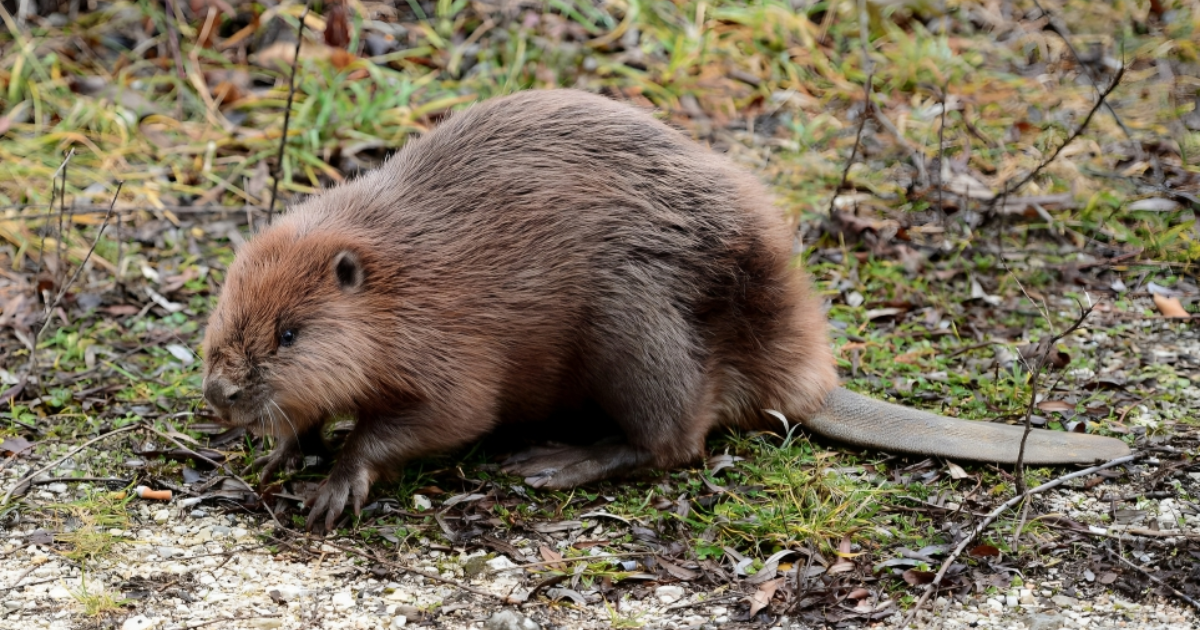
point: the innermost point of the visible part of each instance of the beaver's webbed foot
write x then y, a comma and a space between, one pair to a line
561, 467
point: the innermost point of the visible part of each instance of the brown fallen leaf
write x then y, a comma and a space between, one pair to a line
916, 577
980, 551
1055, 405
1170, 306
762, 597
15, 445
551, 556
677, 571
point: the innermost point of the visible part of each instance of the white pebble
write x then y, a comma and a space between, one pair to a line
343, 600
669, 594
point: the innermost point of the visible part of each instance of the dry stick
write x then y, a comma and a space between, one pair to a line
62, 291
400, 567
913, 155
1009, 189
862, 122
173, 44
60, 273
1061, 30
53, 189
220, 466
942, 154
25, 480
287, 113
994, 514
1045, 346
221, 619
1154, 579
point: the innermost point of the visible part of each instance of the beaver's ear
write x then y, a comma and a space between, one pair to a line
347, 268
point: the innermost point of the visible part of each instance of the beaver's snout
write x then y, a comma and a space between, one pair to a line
221, 394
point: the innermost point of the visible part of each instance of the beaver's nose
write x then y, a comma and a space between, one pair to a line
220, 393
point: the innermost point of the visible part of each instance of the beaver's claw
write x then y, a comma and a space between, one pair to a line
345, 482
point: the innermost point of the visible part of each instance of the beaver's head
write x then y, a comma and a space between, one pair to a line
290, 341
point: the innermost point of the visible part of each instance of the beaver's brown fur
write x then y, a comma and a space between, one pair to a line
534, 254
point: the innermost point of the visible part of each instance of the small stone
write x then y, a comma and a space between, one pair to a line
140, 622
167, 553
421, 502
220, 530
1011, 601
500, 563
239, 533
343, 600
162, 516
290, 593
669, 594
399, 621
59, 592
510, 620
1062, 601
994, 604
57, 488
266, 623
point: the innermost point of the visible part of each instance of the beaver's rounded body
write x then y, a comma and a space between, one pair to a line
534, 253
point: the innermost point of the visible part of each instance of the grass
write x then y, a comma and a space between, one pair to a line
88, 522
97, 603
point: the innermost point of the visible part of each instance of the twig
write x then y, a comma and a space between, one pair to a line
34, 583
913, 155
221, 619
60, 273
400, 567
994, 514
1044, 348
942, 154
43, 482
1061, 30
1011, 188
25, 481
631, 554
62, 291
287, 113
1154, 578
862, 122
173, 44
219, 466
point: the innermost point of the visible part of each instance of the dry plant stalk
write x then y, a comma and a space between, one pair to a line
287, 115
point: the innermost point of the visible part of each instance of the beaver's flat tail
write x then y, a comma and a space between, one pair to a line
856, 419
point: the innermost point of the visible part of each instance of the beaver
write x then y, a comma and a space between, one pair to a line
533, 254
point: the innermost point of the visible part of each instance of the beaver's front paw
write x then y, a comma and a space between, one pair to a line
286, 458
345, 482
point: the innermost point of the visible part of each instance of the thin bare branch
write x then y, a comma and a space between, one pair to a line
62, 291
287, 112
999, 200
862, 121
994, 514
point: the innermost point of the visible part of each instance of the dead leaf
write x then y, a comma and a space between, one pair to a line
762, 597
1055, 405
15, 445
980, 551
677, 571
337, 27
552, 557
956, 471
916, 577
1170, 306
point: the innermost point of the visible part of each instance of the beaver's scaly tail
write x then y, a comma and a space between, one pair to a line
861, 421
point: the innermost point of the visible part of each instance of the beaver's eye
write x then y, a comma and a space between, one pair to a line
287, 337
